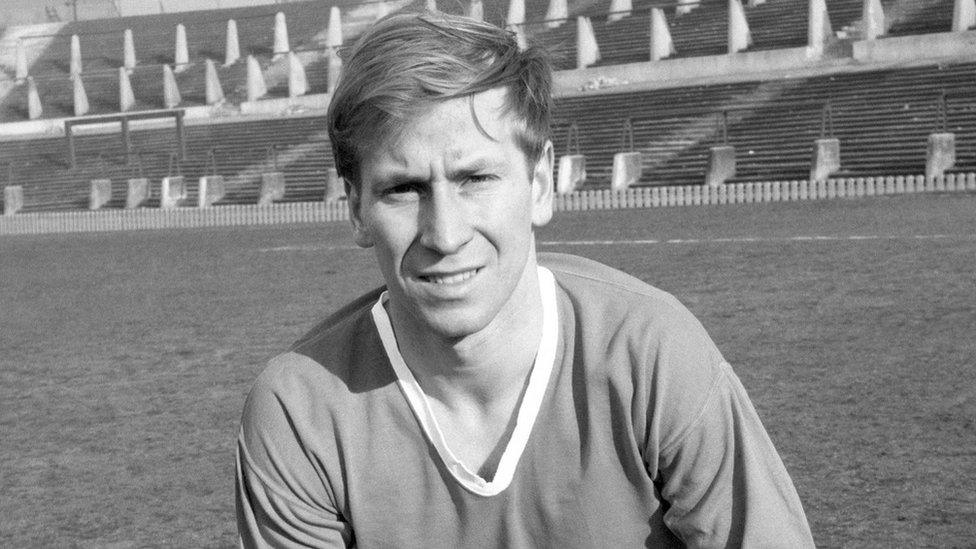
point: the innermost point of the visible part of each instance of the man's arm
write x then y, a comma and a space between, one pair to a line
723, 479
282, 493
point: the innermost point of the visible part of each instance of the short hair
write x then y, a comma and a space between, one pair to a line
407, 62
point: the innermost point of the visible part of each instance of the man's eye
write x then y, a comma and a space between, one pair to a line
401, 189
481, 178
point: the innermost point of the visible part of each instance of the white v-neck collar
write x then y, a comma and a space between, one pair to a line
528, 409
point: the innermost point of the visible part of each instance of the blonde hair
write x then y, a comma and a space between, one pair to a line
407, 62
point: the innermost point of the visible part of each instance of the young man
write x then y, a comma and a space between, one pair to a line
487, 396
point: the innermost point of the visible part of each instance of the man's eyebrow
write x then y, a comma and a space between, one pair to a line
395, 178
476, 165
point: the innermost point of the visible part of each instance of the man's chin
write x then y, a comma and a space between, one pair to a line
450, 325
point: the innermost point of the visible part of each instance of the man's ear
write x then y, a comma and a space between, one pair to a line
543, 186
359, 231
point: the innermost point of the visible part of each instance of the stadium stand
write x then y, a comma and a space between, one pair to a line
101, 46
882, 117
242, 152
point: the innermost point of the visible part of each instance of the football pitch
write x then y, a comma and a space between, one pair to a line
125, 358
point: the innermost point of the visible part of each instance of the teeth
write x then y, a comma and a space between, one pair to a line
451, 279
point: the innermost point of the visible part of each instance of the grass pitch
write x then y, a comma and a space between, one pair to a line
126, 357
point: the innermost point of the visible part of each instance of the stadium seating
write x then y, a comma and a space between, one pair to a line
101, 46
882, 117
242, 151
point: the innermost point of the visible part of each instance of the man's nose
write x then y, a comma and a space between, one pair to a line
445, 227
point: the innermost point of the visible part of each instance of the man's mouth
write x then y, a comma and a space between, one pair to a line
454, 278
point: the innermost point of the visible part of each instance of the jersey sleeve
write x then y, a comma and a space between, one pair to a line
725, 484
283, 497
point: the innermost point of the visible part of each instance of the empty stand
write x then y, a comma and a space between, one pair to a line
882, 119
241, 151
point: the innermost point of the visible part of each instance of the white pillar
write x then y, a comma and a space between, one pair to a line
431, 5
272, 188
211, 189
181, 57
80, 97
297, 83
627, 170
818, 29
557, 13
826, 158
255, 80
662, 46
232, 49
516, 13
619, 9
13, 199
136, 192
128, 50
75, 64
335, 189
382, 9
335, 70
127, 99
99, 192
214, 92
872, 20
34, 108
172, 192
171, 92
571, 173
963, 15
941, 154
281, 46
520, 38
685, 6
22, 69
476, 10
587, 51
739, 36
334, 38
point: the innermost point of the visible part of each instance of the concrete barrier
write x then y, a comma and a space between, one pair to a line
941, 154
100, 193
137, 192
894, 49
826, 158
571, 174
212, 189
721, 165
335, 189
13, 199
316, 212
173, 192
272, 188
626, 170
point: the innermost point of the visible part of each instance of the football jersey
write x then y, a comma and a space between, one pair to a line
632, 431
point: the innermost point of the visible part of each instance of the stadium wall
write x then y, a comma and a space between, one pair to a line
638, 197
858, 56
942, 46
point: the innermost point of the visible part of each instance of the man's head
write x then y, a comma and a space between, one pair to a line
440, 128
408, 62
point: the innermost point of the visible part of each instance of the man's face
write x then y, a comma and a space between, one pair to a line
450, 213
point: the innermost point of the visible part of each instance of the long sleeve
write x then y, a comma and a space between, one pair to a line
723, 479
282, 493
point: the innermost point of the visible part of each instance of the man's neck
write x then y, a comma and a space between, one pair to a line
486, 369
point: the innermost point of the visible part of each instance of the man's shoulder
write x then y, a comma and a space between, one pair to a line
340, 354
348, 318
587, 280
612, 311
